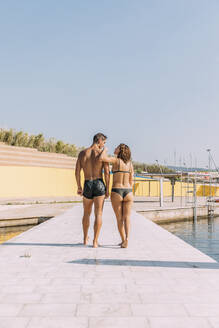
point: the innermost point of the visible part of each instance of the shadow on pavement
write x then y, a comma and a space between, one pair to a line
168, 264
45, 244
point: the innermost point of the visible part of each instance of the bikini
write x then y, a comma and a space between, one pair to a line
121, 191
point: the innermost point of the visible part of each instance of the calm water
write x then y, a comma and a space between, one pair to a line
10, 232
204, 235
7, 233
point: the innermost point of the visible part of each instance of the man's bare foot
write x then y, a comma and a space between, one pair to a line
86, 240
124, 244
95, 244
120, 244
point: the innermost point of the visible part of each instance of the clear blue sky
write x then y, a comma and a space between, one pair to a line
144, 72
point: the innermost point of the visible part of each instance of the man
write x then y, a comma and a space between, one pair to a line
94, 191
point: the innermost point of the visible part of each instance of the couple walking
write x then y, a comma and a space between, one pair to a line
94, 162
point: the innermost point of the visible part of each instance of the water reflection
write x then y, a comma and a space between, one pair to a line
7, 233
203, 234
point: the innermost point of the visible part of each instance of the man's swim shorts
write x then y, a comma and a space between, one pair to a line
94, 188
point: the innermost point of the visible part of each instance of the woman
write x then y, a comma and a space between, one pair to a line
121, 193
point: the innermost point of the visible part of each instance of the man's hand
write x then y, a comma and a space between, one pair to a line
107, 194
80, 191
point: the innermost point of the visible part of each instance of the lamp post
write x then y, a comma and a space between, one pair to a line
209, 170
161, 185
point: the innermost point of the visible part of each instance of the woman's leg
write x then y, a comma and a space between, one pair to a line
126, 213
117, 200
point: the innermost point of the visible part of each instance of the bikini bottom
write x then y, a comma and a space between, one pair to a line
122, 191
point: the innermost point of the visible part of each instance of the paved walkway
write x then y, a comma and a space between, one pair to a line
34, 210
48, 279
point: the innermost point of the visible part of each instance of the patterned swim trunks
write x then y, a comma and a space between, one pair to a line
94, 188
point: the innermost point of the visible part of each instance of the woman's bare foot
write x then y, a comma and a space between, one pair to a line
86, 240
95, 244
124, 244
120, 244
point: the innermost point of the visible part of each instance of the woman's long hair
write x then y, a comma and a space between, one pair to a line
124, 153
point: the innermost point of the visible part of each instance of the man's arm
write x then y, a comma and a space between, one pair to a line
106, 177
78, 174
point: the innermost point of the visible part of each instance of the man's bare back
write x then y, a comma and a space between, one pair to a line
91, 164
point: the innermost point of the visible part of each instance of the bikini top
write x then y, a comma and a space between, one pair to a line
113, 172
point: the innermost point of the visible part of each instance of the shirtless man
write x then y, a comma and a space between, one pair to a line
94, 191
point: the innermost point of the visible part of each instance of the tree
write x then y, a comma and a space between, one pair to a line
60, 146
8, 138
18, 138
2, 135
38, 141
30, 143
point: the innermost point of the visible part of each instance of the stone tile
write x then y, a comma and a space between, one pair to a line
203, 310
105, 268
64, 275
159, 298
22, 298
128, 322
6, 322
104, 310
67, 297
17, 289
108, 288
10, 310
36, 281
214, 322
58, 322
58, 289
69, 282
178, 322
113, 281
150, 288
48, 310
150, 310
111, 297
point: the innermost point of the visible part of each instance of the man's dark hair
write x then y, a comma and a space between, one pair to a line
99, 136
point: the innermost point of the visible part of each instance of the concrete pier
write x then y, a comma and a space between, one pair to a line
49, 279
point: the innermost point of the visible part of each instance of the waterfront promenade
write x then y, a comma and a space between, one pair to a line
48, 279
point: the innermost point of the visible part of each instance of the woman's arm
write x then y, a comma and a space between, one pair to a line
131, 176
107, 159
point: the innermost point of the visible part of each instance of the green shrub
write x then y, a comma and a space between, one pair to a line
21, 139
151, 168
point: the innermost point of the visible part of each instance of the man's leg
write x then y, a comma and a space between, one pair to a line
87, 203
98, 211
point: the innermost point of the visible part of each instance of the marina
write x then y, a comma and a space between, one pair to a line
204, 234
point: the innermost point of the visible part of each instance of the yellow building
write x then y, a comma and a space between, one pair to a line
27, 173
